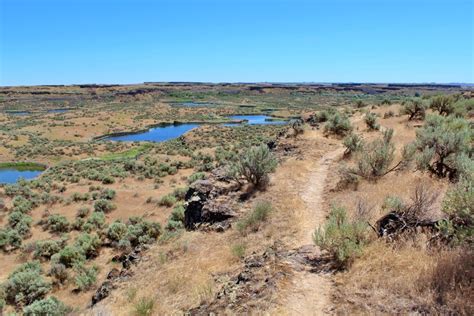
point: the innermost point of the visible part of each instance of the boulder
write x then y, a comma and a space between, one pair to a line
206, 203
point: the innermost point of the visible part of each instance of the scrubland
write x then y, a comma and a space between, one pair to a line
360, 204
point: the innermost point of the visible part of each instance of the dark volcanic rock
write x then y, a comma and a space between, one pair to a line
103, 291
115, 275
206, 202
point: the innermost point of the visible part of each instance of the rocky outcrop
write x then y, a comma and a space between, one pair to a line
115, 275
208, 204
251, 286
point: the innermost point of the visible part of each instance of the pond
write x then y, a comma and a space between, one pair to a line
155, 134
18, 113
58, 110
12, 175
163, 133
255, 120
192, 104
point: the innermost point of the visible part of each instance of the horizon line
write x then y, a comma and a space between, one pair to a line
245, 82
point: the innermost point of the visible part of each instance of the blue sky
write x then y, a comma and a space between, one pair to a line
105, 41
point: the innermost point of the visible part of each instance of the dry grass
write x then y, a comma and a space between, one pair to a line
407, 279
451, 281
180, 274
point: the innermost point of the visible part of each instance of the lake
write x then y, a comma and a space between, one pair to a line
163, 133
255, 120
11, 175
155, 134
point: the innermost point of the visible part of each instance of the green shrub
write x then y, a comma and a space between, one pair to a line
107, 194
108, 179
386, 102
180, 193
103, 205
85, 277
172, 225
76, 197
21, 204
89, 244
342, 238
443, 143
50, 306
124, 245
415, 109
144, 306
176, 220
20, 222
10, 239
360, 104
69, 256
141, 231
371, 121
57, 223
196, 176
83, 212
254, 165
353, 143
443, 104
25, 285
458, 204
167, 200
117, 231
238, 250
374, 161
259, 214
178, 213
463, 107
338, 124
46, 248
96, 220
59, 272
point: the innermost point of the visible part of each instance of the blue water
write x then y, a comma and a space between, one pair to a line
156, 134
163, 133
254, 120
19, 113
11, 175
193, 104
58, 110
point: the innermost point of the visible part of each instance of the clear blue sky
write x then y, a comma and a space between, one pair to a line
105, 41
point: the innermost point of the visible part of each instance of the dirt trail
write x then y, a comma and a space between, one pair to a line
307, 293
312, 196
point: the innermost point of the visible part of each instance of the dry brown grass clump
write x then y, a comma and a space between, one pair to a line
451, 281
408, 279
